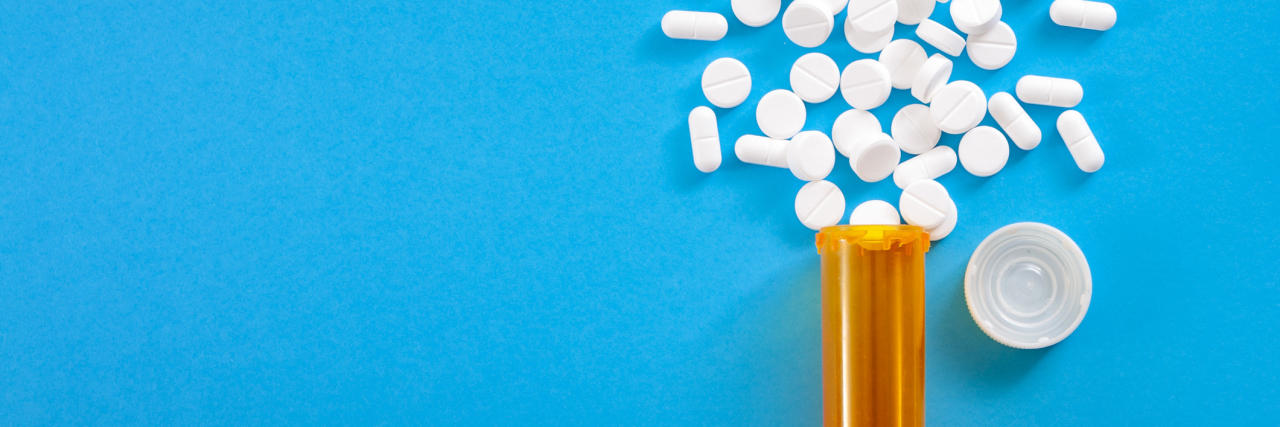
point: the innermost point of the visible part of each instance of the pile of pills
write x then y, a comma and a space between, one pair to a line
953, 107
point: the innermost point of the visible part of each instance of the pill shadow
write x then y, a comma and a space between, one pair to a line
965, 349
656, 47
1054, 37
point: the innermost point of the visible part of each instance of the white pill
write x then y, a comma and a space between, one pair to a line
1014, 120
875, 212
958, 107
874, 157
780, 114
914, 130
983, 151
835, 6
1080, 141
764, 151
993, 49
976, 16
873, 16
852, 126
815, 77
925, 203
911, 12
1089, 15
705, 136
940, 37
756, 13
683, 24
865, 84
726, 82
807, 23
866, 43
933, 75
1055, 92
948, 225
902, 58
930, 165
810, 156
819, 204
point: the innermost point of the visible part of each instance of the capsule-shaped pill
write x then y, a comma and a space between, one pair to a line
760, 150
1080, 141
706, 139
1065, 93
683, 24
1014, 120
1090, 15
930, 165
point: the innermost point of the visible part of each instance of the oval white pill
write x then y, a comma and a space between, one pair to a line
866, 43
993, 49
940, 37
925, 204
852, 126
1089, 15
875, 212
819, 204
1080, 141
958, 107
1055, 92
976, 16
873, 16
815, 77
865, 84
807, 24
726, 82
911, 12
810, 156
931, 165
948, 225
874, 157
780, 114
914, 130
983, 151
902, 59
764, 151
705, 136
1014, 120
683, 24
756, 13
933, 75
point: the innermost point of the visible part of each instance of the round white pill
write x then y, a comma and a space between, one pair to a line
875, 212
683, 24
911, 12
705, 136
1054, 92
1014, 120
958, 107
865, 84
874, 157
815, 77
1090, 15
873, 16
948, 225
914, 130
780, 114
902, 58
976, 16
940, 37
930, 165
810, 156
866, 43
852, 126
835, 6
925, 204
756, 13
983, 151
807, 24
819, 204
993, 49
726, 82
1080, 141
933, 75
764, 151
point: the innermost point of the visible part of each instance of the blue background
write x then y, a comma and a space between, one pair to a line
486, 213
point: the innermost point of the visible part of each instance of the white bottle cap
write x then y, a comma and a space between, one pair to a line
1028, 285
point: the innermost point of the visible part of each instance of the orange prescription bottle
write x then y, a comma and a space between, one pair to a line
873, 324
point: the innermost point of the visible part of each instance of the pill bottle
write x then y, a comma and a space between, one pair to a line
873, 324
